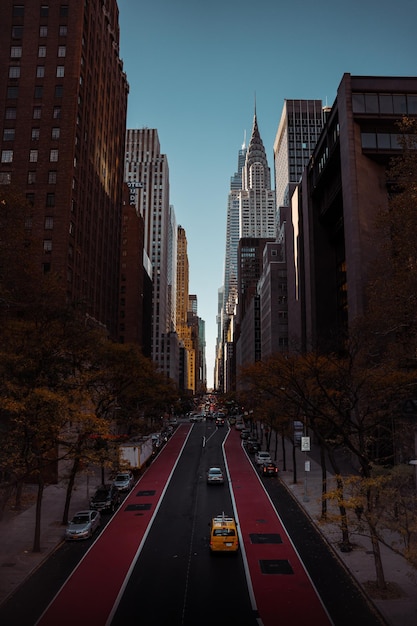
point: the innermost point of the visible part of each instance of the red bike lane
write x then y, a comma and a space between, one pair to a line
93, 588
282, 590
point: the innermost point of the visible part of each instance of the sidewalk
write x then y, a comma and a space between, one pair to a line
399, 574
17, 561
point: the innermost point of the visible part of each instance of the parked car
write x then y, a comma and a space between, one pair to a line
124, 481
215, 476
269, 469
245, 433
83, 525
106, 498
223, 534
239, 425
262, 457
252, 446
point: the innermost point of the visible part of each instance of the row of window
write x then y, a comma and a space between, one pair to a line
14, 71
380, 141
384, 103
9, 133
6, 179
7, 156
19, 10
13, 92
17, 31
16, 52
11, 113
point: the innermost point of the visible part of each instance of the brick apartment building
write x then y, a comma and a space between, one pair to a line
63, 102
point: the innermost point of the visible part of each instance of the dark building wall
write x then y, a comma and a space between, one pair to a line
63, 101
343, 190
131, 301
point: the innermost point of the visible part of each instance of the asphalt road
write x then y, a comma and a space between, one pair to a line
175, 580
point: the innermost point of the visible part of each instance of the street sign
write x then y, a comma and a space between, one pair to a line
305, 444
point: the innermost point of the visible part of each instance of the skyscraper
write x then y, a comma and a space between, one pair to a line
183, 329
256, 198
148, 168
63, 117
250, 215
298, 130
232, 235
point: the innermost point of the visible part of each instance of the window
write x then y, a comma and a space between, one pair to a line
63, 31
10, 113
63, 10
44, 10
49, 223
43, 31
47, 245
38, 91
55, 133
31, 178
58, 91
35, 134
37, 113
62, 51
30, 199
368, 140
400, 103
53, 156
50, 199
33, 156
412, 104
385, 103
40, 71
17, 32
14, 71
12, 92
6, 156
8, 134
52, 177
18, 10
42, 51
16, 52
60, 71
57, 113
5, 178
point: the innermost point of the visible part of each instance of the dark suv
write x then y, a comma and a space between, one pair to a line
106, 498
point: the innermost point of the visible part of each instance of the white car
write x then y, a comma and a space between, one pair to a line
124, 481
83, 525
262, 457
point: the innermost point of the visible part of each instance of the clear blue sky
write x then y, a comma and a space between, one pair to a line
194, 68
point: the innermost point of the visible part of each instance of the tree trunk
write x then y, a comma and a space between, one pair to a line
276, 446
323, 483
345, 545
18, 498
6, 494
294, 463
70, 486
37, 538
376, 550
284, 456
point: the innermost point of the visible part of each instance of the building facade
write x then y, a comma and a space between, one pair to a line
63, 118
146, 166
298, 130
335, 211
251, 215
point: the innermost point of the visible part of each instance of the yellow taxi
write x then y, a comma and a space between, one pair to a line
223, 534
